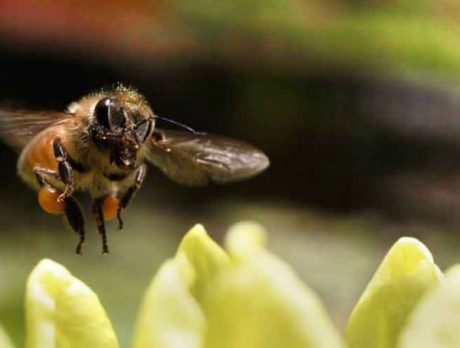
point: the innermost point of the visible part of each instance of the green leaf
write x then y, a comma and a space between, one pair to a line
404, 275
260, 302
171, 315
62, 312
436, 320
5, 341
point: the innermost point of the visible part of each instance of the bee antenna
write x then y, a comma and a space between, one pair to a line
181, 125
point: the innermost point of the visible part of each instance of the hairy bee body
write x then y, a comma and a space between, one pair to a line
39, 154
94, 172
100, 145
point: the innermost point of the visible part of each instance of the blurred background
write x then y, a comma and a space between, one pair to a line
355, 102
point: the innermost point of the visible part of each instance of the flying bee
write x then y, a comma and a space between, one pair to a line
101, 145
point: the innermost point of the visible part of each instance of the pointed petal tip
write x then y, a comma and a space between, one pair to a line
197, 230
50, 267
412, 244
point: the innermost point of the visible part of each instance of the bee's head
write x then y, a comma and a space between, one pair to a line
121, 128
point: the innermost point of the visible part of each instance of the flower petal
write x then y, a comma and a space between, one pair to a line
5, 341
436, 320
381, 313
171, 315
260, 302
61, 311
205, 256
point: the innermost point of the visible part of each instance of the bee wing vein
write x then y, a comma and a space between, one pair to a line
198, 159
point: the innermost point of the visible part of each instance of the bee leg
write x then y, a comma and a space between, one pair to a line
76, 220
99, 216
128, 195
71, 208
65, 169
42, 173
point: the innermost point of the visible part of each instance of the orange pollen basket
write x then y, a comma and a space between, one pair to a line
110, 207
48, 200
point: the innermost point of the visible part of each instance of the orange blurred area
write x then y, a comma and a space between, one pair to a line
100, 28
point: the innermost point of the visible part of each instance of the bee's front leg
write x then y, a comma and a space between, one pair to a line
65, 169
128, 195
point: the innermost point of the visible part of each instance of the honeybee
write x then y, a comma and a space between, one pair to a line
101, 144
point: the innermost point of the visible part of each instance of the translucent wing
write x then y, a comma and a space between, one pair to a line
18, 127
196, 159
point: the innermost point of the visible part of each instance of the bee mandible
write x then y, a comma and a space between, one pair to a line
101, 144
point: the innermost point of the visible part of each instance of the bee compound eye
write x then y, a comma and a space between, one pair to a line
143, 130
101, 112
110, 114
117, 119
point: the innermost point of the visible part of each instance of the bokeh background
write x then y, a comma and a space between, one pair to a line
356, 103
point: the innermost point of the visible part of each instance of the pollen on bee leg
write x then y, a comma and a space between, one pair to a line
110, 205
48, 200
